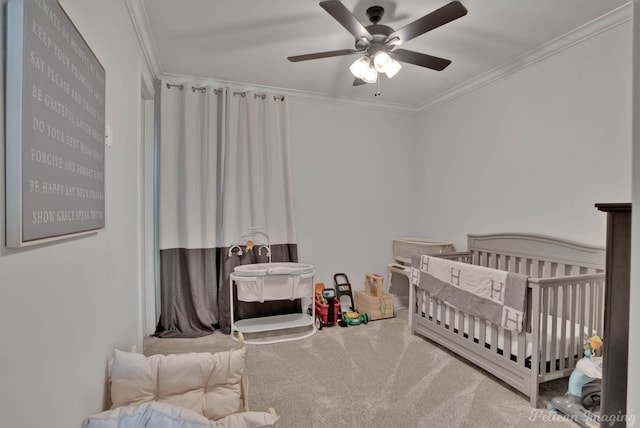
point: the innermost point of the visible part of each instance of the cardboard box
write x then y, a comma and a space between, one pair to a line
373, 284
376, 307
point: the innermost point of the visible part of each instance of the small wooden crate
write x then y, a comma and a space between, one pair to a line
376, 307
373, 284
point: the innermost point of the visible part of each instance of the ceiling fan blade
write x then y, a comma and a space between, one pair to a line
417, 58
341, 14
438, 17
318, 55
357, 82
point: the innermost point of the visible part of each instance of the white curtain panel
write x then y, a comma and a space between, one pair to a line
257, 186
190, 129
224, 168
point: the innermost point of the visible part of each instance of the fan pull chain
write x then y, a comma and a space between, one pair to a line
377, 93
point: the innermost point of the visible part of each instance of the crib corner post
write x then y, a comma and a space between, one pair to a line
533, 395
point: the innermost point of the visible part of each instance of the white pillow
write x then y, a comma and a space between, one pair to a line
208, 384
162, 415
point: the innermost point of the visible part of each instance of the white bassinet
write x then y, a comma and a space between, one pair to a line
262, 282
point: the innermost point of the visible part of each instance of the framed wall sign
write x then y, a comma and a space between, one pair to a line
55, 126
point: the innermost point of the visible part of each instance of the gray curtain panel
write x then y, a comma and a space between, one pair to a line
188, 287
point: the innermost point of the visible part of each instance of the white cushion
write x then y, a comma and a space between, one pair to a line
205, 383
162, 415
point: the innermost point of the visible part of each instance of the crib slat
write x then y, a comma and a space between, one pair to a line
472, 327
482, 331
543, 329
494, 336
535, 269
582, 313
526, 268
506, 343
592, 307
572, 326
554, 329
601, 286
458, 327
561, 269
522, 348
562, 315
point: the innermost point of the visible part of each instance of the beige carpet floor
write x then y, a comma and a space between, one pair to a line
378, 375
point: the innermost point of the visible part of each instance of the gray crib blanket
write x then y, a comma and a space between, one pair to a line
495, 295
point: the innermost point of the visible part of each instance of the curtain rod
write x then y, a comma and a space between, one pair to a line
264, 96
203, 89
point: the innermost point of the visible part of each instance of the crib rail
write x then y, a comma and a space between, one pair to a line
574, 309
575, 302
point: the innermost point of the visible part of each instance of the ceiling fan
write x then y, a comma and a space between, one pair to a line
378, 42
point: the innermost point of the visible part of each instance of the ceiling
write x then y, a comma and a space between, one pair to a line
248, 42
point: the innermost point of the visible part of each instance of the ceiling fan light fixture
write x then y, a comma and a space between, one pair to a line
370, 75
392, 68
360, 66
381, 60
363, 68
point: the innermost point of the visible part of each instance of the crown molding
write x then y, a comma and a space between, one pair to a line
291, 93
578, 35
140, 22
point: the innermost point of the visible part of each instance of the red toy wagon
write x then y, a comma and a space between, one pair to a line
327, 306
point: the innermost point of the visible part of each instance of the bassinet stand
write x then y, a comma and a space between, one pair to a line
273, 322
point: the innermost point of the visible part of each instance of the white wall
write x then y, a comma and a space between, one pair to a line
352, 177
533, 151
65, 306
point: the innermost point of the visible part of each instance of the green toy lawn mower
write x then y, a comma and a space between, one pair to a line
348, 316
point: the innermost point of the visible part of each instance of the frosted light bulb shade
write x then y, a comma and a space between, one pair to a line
360, 66
370, 75
381, 60
392, 68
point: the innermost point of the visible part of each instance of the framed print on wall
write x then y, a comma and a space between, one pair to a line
55, 127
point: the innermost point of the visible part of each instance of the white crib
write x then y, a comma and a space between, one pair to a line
565, 302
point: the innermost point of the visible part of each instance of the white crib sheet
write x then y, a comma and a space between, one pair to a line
551, 337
